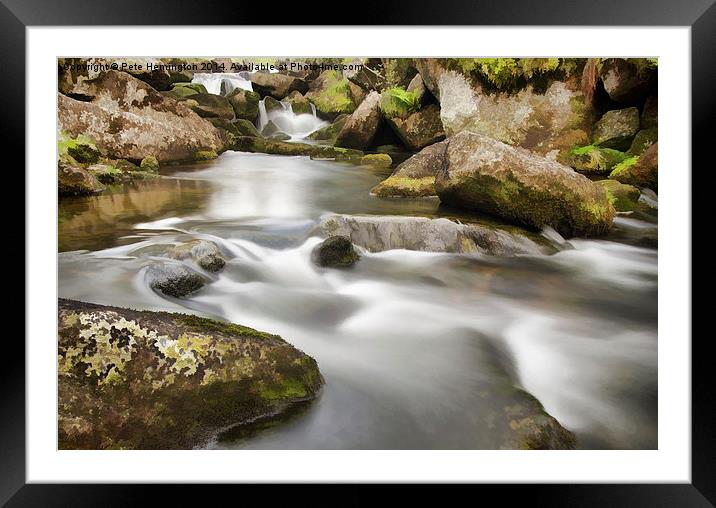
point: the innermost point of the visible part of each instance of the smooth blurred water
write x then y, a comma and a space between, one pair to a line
418, 349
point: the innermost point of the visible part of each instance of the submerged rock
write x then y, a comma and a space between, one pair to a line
206, 254
416, 176
155, 380
483, 174
360, 129
617, 128
174, 279
335, 251
377, 233
128, 119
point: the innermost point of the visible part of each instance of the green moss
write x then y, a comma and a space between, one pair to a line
405, 187
623, 166
206, 325
205, 155
82, 148
334, 97
507, 73
150, 163
106, 173
623, 197
377, 159
195, 87
285, 389
593, 159
399, 103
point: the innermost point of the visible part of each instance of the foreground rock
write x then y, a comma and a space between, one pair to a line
377, 233
361, 127
416, 176
336, 252
128, 119
642, 171
486, 175
155, 380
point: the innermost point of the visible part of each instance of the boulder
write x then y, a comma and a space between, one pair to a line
335, 252
627, 80
299, 104
489, 176
194, 87
227, 129
204, 253
330, 132
377, 159
377, 233
205, 155
361, 127
331, 94
641, 171
272, 104
366, 77
546, 114
276, 85
420, 129
74, 180
357, 93
398, 71
245, 128
617, 128
208, 105
155, 380
416, 176
650, 113
245, 104
174, 279
417, 87
82, 148
150, 164
643, 140
592, 159
625, 198
130, 120
263, 145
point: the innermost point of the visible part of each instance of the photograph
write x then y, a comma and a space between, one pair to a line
357, 253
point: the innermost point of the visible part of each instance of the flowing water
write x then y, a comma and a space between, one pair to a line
223, 83
418, 350
298, 126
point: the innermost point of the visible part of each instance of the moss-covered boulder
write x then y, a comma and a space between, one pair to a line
205, 155
489, 176
272, 104
329, 132
263, 145
643, 140
398, 71
82, 149
336, 252
75, 180
377, 159
420, 129
150, 164
641, 171
276, 85
208, 105
625, 198
245, 104
155, 380
617, 128
361, 127
592, 159
195, 87
246, 128
627, 80
331, 94
299, 104
416, 176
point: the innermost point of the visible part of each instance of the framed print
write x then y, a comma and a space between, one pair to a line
358, 254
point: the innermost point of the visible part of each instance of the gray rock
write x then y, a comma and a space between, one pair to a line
335, 251
361, 127
174, 279
617, 128
204, 253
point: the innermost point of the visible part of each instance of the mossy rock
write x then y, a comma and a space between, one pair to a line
150, 164
399, 103
377, 159
299, 104
205, 155
264, 145
155, 380
272, 104
245, 104
74, 180
617, 128
330, 132
639, 171
643, 140
181, 92
82, 149
625, 198
195, 87
331, 94
107, 173
512, 73
405, 187
246, 128
593, 159
336, 252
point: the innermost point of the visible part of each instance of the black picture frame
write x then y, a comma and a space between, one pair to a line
700, 15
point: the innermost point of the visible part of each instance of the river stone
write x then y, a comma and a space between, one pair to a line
336, 252
329, 132
617, 128
299, 104
548, 118
416, 176
420, 129
204, 253
627, 79
263, 145
382, 160
643, 140
377, 233
208, 105
174, 279
625, 198
489, 176
272, 104
331, 94
227, 129
642, 171
74, 180
359, 131
276, 85
245, 104
130, 120
155, 380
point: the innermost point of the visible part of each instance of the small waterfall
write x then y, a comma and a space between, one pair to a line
223, 83
298, 126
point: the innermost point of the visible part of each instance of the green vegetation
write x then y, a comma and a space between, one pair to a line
507, 73
399, 103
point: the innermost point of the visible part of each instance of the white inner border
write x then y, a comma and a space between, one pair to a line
671, 462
